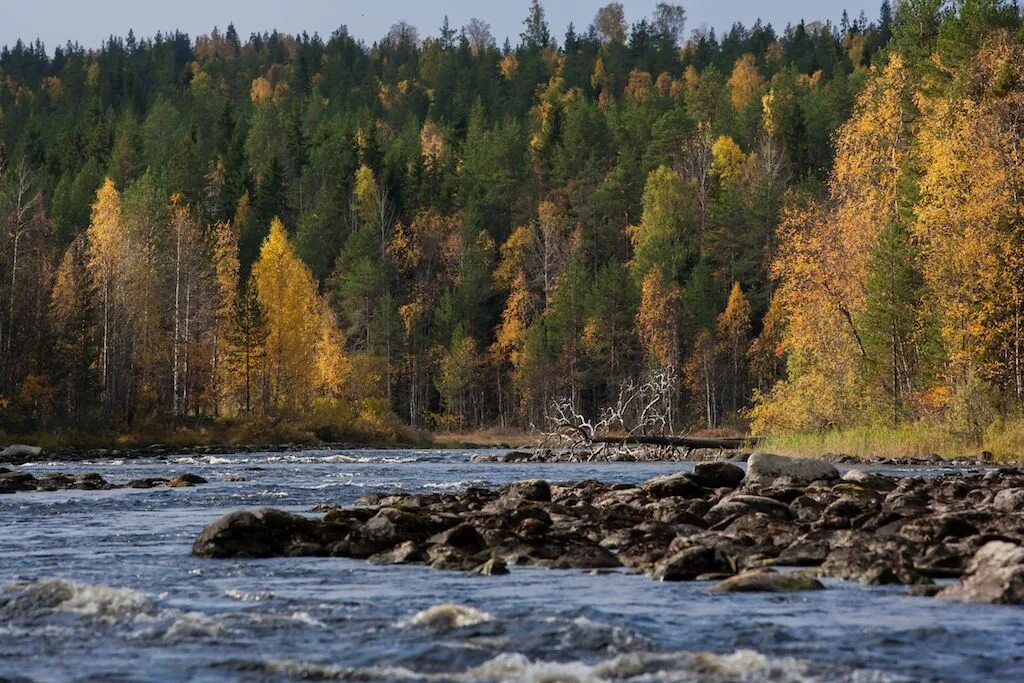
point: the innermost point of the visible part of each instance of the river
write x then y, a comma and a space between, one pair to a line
100, 586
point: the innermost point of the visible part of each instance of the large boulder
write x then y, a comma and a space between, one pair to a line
994, 575
764, 469
20, 450
257, 533
768, 582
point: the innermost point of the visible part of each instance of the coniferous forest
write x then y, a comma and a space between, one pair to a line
810, 227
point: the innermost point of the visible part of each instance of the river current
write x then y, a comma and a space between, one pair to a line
100, 586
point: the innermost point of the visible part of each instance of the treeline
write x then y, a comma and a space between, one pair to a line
458, 232
901, 286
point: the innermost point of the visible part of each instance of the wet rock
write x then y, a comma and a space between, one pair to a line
995, 575
443, 556
768, 582
713, 475
492, 567
184, 480
688, 564
463, 537
258, 533
149, 483
763, 469
11, 482
677, 485
403, 553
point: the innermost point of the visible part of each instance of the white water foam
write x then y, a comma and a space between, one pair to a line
744, 666
34, 601
446, 617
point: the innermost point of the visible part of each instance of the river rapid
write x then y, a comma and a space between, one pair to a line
101, 586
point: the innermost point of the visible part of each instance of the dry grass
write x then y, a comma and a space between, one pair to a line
486, 436
1004, 439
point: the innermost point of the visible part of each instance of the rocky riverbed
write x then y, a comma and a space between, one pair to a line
719, 522
12, 481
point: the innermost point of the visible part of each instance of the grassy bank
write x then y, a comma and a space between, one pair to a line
1005, 440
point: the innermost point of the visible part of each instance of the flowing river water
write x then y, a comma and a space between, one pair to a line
100, 586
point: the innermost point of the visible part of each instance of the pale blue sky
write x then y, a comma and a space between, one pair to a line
90, 21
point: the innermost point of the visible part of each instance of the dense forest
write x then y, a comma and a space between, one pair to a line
815, 227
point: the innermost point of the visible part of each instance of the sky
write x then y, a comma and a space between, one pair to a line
90, 22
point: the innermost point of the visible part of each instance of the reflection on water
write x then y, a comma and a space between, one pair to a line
99, 585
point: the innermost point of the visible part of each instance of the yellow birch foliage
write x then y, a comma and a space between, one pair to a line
656, 319
971, 217
822, 261
288, 294
107, 246
745, 83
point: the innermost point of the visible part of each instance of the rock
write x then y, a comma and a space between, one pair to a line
869, 480
678, 484
936, 528
403, 553
802, 553
11, 482
20, 450
768, 582
764, 469
995, 575
186, 480
463, 537
532, 489
389, 527
150, 483
715, 475
688, 564
258, 533
1009, 500
492, 567
738, 505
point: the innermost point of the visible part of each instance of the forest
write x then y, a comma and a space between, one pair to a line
811, 228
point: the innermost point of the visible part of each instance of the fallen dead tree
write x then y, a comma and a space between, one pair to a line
728, 443
641, 416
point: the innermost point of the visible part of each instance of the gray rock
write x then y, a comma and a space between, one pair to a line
870, 480
763, 469
1009, 500
20, 450
995, 575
